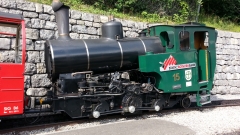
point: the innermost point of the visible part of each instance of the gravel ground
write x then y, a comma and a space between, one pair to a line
214, 121
217, 121
223, 120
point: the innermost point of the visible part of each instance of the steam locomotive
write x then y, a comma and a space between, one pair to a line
159, 69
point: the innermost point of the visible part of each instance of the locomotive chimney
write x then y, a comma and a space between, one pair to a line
62, 18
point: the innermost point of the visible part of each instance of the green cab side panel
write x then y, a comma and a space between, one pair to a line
174, 72
191, 70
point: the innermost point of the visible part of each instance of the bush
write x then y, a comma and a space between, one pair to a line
227, 9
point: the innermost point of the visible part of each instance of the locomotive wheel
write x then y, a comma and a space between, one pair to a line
158, 103
131, 100
185, 102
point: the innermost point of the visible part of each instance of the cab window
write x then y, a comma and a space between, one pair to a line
201, 40
184, 40
164, 38
167, 39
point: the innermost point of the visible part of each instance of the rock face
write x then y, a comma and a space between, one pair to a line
41, 25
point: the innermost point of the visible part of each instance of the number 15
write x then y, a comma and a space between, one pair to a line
176, 77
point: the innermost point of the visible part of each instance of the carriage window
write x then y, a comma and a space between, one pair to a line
10, 44
184, 40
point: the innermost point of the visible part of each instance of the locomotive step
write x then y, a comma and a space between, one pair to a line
204, 103
203, 82
204, 96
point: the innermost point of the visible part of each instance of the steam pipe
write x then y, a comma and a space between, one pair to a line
62, 18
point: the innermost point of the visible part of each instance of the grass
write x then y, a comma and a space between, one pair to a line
77, 5
211, 21
219, 23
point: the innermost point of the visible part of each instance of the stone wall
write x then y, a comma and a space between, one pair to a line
227, 74
40, 26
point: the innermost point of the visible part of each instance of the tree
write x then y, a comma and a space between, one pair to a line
227, 9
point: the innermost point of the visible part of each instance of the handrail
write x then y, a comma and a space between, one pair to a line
196, 56
210, 69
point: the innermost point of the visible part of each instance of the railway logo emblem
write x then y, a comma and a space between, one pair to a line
188, 74
170, 61
170, 64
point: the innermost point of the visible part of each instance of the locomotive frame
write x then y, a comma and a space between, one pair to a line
93, 77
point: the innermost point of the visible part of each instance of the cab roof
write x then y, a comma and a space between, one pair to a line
187, 24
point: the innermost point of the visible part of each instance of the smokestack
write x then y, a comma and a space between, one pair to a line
62, 18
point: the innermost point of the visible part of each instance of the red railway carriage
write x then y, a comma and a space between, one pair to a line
12, 63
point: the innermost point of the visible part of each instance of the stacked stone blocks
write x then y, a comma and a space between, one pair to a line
227, 74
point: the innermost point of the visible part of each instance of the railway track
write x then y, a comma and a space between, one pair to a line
56, 125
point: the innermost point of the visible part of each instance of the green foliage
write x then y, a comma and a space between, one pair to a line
163, 11
219, 23
183, 13
227, 9
153, 10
